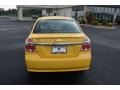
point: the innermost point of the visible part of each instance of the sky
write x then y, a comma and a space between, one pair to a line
6, 7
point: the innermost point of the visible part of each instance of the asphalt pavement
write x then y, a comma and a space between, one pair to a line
105, 66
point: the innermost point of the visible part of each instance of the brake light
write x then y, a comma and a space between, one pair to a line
29, 45
86, 44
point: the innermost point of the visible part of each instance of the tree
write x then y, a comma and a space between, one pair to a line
89, 16
1, 11
11, 12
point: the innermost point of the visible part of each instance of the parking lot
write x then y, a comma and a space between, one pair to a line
105, 66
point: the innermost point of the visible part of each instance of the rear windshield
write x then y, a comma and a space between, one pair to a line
57, 26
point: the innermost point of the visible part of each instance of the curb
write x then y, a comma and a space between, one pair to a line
102, 27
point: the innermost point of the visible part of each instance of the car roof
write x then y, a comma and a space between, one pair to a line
55, 17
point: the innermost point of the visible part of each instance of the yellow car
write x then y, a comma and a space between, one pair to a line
57, 44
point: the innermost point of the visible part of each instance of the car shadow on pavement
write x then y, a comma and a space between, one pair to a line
57, 78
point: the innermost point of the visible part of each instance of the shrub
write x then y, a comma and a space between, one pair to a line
94, 19
109, 21
82, 22
101, 20
109, 24
94, 22
104, 22
118, 22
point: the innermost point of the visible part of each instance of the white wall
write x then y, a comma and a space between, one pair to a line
44, 12
60, 12
65, 11
20, 14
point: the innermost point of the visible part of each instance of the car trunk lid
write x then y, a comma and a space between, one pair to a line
58, 45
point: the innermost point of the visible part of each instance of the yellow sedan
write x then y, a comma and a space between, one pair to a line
57, 44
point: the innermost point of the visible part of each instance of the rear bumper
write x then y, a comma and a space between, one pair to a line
58, 70
36, 64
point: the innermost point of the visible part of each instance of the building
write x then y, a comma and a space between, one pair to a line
47, 10
100, 12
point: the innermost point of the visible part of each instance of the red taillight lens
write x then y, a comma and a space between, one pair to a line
29, 45
86, 44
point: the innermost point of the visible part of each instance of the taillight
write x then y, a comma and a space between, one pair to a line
29, 45
86, 44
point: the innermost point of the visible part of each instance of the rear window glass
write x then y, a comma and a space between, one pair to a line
57, 26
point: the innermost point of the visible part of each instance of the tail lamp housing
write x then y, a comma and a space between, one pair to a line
86, 44
29, 45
